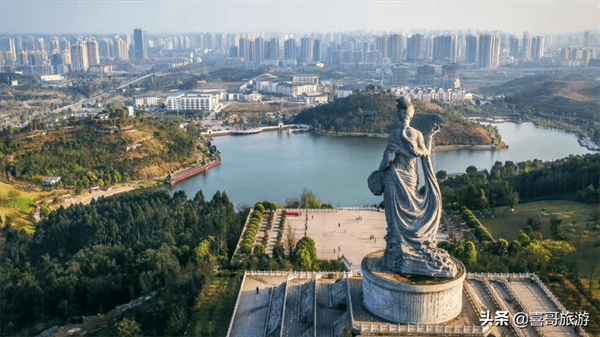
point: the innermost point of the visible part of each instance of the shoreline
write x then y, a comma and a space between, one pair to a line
437, 147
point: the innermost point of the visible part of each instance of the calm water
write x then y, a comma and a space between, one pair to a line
276, 166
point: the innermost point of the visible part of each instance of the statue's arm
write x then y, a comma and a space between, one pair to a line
423, 149
388, 158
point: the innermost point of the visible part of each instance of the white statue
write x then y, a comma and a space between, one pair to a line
412, 218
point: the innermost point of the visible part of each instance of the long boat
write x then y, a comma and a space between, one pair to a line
175, 178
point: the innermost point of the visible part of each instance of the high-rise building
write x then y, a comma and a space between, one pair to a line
12, 52
140, 47
306, 50
107, 48
290, 49
317, 53
414, 48
32, 42
272, 49
514, 46
471, 50
41, 44
243, 47
381, 45
526, 47
394, 47
64, 44
67, 56
400, 75
489, 51
93, 52
19, 44
208, 41
55, 44
79, 57
23, 58
259, 50
445, 48
537, 48
121, 49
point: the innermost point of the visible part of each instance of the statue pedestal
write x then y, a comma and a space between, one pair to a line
410, 300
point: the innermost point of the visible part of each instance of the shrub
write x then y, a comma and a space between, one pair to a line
259, 250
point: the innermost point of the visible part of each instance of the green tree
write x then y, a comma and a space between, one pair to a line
556, 226
128, 327
470, 254
259, 250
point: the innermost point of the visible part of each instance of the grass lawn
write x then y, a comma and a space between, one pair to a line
19, 207
576, 217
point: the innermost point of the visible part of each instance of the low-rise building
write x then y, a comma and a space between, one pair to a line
192, 101
51, 181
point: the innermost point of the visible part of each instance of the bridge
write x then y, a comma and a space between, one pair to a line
253, 131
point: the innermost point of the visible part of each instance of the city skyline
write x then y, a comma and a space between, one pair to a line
115, 17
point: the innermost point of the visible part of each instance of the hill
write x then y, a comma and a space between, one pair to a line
89, 153
568, 101
376, 113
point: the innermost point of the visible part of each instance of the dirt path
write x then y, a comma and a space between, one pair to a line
86, 199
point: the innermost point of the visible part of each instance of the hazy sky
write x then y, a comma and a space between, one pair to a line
100, 17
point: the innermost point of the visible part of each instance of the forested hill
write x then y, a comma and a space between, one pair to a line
88, 152
376, 112
86, 260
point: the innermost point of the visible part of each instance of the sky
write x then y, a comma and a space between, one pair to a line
189, 16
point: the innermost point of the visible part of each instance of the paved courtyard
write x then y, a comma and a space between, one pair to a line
345, 232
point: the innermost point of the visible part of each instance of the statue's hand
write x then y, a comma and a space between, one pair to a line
436, 128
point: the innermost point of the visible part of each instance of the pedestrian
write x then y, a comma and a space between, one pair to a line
339, 224
257, 290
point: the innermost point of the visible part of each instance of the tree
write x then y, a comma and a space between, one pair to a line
259, 250
501, 247
512, 198
556, 226
534, 222
471, 169
129, 328
441, 175
290, 239
470, 254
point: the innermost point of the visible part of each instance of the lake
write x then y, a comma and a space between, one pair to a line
276, 166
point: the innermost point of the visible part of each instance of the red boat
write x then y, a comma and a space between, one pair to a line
173, 179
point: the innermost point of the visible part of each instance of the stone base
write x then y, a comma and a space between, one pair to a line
402, 299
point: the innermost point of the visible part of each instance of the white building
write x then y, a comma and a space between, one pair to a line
305, 79
192, 101
146, 101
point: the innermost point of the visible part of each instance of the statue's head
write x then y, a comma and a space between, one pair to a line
406, 111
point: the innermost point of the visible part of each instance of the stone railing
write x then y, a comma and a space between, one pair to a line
302, 274
374, 209
237, 247
237, 303
493, 276
315, 310
421, 328
311, 209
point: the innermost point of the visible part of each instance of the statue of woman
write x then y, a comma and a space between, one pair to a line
412, 218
